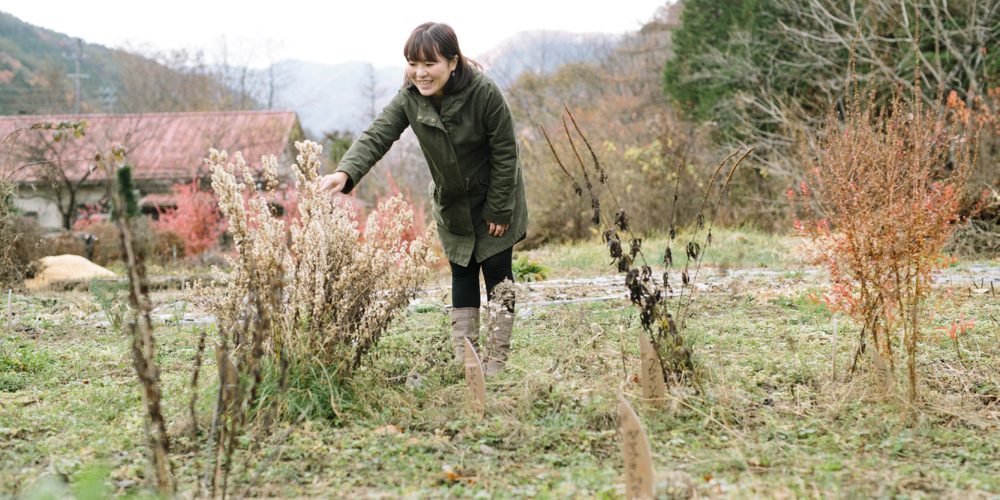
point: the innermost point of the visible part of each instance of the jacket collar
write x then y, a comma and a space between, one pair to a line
450, 106
453, 103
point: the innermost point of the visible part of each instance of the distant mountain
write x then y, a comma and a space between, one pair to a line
339, 96
36, 65
543, 52
331, 97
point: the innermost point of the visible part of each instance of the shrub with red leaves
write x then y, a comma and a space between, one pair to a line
414, 231
196, 219
882, 198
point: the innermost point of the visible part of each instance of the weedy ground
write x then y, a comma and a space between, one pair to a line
773, 418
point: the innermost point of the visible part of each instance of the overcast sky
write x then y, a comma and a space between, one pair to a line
328, 31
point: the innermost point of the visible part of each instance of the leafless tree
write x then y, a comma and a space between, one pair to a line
59, 170
179, 80
235, 69
371, 92
812, 42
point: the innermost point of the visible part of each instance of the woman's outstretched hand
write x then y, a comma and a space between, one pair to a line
334, 183
497, 230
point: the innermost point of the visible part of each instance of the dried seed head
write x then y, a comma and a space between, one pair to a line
621, 220
614, 243
504, 295
635, 246
693, 249
635, 289
270, 172
624, 263
646, 274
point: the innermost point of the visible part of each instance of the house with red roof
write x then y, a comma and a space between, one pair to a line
56, 173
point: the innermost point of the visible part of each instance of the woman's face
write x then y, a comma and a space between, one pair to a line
430, 77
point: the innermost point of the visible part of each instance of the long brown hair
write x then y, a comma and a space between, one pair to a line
430, 40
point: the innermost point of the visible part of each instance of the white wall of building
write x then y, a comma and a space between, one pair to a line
40, 204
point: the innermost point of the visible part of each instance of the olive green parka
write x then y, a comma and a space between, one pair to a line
471, 151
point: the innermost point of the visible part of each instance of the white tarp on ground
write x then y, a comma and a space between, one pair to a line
58, 268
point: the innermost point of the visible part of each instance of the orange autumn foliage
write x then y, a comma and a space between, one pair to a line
881, 199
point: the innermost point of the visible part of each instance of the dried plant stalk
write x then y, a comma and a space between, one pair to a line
651, 298
199, 352
141, 326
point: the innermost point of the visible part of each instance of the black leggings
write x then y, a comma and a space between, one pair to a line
465, 279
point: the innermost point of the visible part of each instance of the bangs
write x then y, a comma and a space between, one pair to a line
421, 47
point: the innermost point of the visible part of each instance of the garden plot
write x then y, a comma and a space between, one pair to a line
771, 418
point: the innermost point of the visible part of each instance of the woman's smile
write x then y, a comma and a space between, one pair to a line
430, 77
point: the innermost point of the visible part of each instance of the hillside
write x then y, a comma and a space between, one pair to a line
544, 52
36, 64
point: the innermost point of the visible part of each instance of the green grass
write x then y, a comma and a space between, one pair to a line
771, 421
740, 248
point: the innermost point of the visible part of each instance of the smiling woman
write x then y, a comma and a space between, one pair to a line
466, 132
430, 70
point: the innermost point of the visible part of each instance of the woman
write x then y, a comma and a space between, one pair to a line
466, 132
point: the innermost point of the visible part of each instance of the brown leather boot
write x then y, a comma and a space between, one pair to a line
464, 324
498, 340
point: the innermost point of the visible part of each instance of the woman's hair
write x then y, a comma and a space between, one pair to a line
430, 40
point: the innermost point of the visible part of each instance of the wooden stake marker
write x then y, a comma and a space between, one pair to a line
885, 373
654, 388
635, 451
475, 378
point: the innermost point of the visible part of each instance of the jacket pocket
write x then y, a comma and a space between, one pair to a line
477, 186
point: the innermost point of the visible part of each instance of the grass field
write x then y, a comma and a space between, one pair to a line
772, 418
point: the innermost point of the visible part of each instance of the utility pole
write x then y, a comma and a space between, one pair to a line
270, 86
77, 76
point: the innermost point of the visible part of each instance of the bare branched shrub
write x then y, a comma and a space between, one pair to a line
882, 200
981, 236
8, 233
20, 237
652, 298
630, 123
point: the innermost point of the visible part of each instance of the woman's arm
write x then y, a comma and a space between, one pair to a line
369, 148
